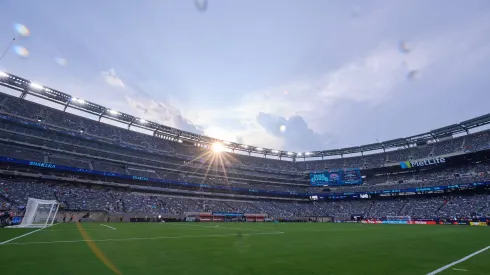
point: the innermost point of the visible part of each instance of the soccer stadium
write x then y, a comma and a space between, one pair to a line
80, 195
116, 185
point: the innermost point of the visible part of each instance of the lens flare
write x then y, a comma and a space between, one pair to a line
21, 51
22, 30
282, 128
217, 147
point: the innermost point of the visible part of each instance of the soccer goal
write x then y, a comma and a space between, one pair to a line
399, 218
39, 213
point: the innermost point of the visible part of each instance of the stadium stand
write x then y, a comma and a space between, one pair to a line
92, 166
81, 198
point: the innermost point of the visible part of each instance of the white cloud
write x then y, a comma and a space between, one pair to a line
374, 79
260, 138
254, 136
370, 80
220, 133
112, 79
161, 112
296, 135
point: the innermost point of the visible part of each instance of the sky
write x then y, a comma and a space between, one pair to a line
289, 75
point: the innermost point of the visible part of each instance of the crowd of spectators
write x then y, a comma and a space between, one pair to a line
468, 173
251, 180
448, 147
14, 193
464, 206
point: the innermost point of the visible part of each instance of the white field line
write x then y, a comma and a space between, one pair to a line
217, 226
61, 230
459, 269
28, 233
458, 261
108, 226
146, 239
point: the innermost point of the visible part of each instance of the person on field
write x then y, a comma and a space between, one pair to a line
4, 218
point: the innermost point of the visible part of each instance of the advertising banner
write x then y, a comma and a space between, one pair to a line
478, 223
419, 163
422, 222
336, 178
398, 222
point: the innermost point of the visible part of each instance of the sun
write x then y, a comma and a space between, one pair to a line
217, 147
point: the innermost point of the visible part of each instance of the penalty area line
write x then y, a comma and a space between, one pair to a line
108, 226
458, 261
152, 238
26, 234
67, 230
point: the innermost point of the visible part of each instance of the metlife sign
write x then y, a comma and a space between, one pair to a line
419, 163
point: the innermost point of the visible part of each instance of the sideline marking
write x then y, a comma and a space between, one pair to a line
146, 239
28, 233
98, 253
459, 269
458, 261
108, 226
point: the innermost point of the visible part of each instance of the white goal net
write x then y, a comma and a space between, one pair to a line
39, 213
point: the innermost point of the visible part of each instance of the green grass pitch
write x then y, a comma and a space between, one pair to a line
244, 249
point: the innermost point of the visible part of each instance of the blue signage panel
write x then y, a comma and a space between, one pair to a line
336, 178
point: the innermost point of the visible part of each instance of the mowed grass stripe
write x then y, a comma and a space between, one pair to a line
217, 226
97, 252
149, 238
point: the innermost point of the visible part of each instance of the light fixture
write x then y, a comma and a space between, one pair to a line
36, 86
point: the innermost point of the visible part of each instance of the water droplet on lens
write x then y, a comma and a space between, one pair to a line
61, 61
22, 29
201, 5
21, 51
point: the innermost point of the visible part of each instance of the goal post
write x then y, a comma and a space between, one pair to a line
39, 213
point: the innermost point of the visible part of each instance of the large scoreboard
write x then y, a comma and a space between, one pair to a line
336, 178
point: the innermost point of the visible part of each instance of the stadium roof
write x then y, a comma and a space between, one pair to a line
26, 87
